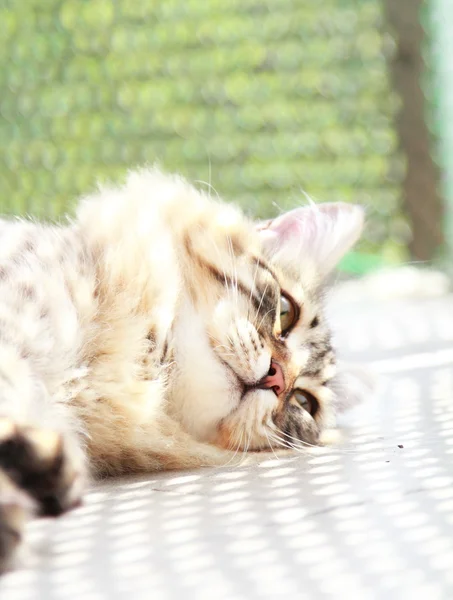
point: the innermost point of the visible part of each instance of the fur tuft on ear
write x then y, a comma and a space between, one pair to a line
322, 233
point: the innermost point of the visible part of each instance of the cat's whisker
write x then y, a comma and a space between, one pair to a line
230, 448
219, 346
244, 448
277, 438
242, 343
301, 445
209, 183
230, 341
262, 319
167, 366
247, 432
263, 295
233, 266
270, 445
225, 278
279, 443
287, 444
214, 339
247, 447
297, 440
290, 440
219, 343
209, 186
236, 452
252, 288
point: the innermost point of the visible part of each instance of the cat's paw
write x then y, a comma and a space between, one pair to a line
39, 463
15, 506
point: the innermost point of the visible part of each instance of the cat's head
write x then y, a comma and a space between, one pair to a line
255, 365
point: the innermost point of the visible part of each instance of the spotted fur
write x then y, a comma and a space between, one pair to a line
141, 335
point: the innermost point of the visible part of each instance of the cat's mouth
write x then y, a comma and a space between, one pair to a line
273, 380
246, 389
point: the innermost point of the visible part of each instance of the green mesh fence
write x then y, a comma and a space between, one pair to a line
262, 98
437, 19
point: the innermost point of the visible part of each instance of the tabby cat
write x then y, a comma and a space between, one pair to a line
159, 329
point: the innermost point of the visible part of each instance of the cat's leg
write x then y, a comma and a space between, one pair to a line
42, 467
123, 445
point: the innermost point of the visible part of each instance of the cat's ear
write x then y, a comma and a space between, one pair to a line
321, 232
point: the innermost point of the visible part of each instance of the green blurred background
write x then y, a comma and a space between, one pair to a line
264, 99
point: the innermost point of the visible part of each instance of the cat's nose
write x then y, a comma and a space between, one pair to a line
275, 379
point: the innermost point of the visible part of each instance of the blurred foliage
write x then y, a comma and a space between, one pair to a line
436, 18
261, 98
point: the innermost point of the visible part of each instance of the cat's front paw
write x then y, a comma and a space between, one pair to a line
39, 462
15, 506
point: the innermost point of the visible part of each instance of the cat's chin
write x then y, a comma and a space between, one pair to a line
249, 424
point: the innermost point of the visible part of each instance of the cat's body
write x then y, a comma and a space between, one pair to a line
159, 329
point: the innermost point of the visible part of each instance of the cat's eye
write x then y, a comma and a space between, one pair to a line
307, 401
288, 314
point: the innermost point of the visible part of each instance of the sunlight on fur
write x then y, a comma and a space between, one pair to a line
162, 329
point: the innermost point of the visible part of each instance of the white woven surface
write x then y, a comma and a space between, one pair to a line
366, 520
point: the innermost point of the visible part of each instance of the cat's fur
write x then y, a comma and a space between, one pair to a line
132, 339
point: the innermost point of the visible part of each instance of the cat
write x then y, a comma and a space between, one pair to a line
159, 329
